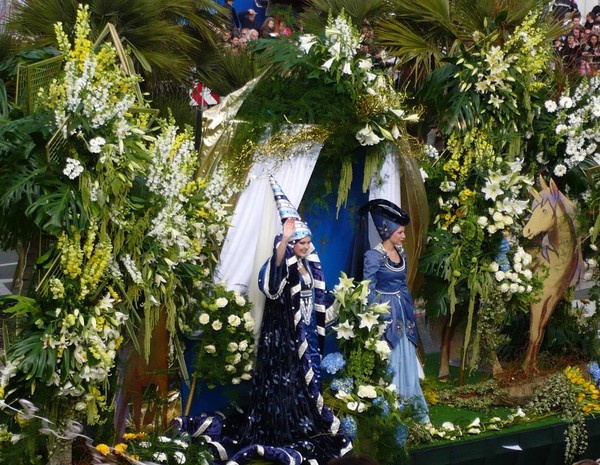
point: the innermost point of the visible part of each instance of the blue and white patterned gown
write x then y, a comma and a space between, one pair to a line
388, 284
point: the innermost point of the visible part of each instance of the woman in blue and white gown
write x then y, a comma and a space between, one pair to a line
385, 267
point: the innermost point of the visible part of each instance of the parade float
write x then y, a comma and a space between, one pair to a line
147, 250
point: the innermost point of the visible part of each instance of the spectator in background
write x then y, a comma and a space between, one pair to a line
268, 28
283, 29
589, 20
571, 53
252, 35
248, 19
235, 21
592, 48
561, 8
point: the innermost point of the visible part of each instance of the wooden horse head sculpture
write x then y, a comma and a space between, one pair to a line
558, 255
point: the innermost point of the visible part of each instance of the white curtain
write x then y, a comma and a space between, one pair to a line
256, 222
385, 186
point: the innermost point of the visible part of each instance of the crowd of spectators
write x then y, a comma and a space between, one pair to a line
580, 47
246, 28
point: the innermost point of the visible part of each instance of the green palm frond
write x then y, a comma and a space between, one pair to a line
225, 71
314, 18
166, 33
410, 47
421, 33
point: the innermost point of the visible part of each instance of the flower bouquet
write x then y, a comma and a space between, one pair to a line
225, 329
357, 378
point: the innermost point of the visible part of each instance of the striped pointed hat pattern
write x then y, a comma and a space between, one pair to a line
287, 210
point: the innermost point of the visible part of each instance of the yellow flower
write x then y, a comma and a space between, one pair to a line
133, 436
103, 449
120, 448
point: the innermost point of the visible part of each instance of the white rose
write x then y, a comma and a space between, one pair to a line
204, 318
240, 300
494, 267
246, 376
514, 288
232, 347
382, 349
236, 381
243, 345
179, 456
249, 325
352, 406
518, 267
221, 302
247, 316
160, 456
500, 275
234, 320
210, 349
367, 392
482, 221
229, 368
217, 325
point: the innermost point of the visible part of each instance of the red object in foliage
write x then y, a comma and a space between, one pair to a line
203, 96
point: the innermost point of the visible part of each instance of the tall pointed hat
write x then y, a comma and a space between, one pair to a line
287, 210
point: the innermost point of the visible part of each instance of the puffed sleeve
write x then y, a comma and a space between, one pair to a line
372, 263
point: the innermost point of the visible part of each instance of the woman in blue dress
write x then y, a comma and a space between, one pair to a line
287, 421
385, 267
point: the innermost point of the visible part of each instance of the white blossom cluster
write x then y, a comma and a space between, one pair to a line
91, 97
172, 165
503, 189
578, 121
431, 152
518, 279
495, 77
93, 339
73, 168
132, 269
451, 431
343, 41
364, 394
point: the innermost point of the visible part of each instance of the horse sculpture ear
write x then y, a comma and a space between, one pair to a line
542, 182
535, 194
553, 187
